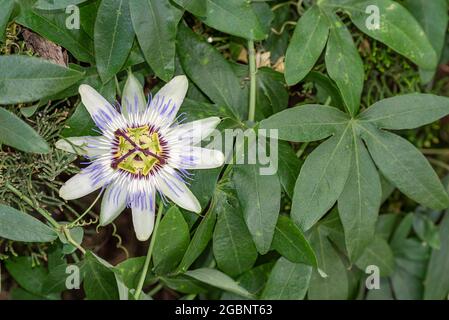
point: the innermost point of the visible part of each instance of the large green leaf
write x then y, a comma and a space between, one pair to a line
233, 246
379, 254
172, 240
331, 283
322, 179
200, 239
260, 197
290, 242
155, 24
287, 281
433, 18
113, 36
436, 284
52, 26
306, 123
200, 60
218, 279
28, 276
344, 65
406, 112
27, 79
99, 280
19, 226
235, 17
359, 202
397, 29
404, 166
306, 45
272, 95
197, 7
18, 134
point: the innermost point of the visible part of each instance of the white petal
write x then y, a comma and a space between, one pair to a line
114, 202
78, 186
79, 145
173, 91
143, 221
196, 130
178, 192
198, 158
99, 108
133, 97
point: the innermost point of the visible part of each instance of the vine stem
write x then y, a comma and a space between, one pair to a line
253, 79
42, 211
149, 254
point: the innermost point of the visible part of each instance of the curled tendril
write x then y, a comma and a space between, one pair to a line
85, 222
119, 240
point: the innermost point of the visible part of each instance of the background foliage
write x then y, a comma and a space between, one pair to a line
348, 193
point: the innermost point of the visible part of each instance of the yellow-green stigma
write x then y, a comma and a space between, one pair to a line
138, 151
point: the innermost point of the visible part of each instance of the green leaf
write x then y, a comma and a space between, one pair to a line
29, 276
436, 284
433, 18
288, 167
113, 37
200, 239
199, 60
56, 280
359, 203
56, 4
332, 283
184, 284
260, 199
233, 246
197, 7
52, 26
158, 19
398, 30
40, 77
406, 112
306, 123
322, 179
18, 134
379, 254
327, 91
235, 17
290, 242
99, 280
19, 226
344, 65
7, 8
306, 45
404, 166
172, 240
218, 279
287, 281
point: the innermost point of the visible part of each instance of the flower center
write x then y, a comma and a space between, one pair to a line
138, 151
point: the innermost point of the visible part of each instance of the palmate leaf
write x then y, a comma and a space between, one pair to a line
322, 179
306, 123
306, 45
113, 36
155, 24
344, 64
358, 204
402, 164
397, 29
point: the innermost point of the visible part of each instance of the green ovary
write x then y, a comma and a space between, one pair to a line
138, 162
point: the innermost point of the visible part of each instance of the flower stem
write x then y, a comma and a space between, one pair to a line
42, 211
253, 79
149, 254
